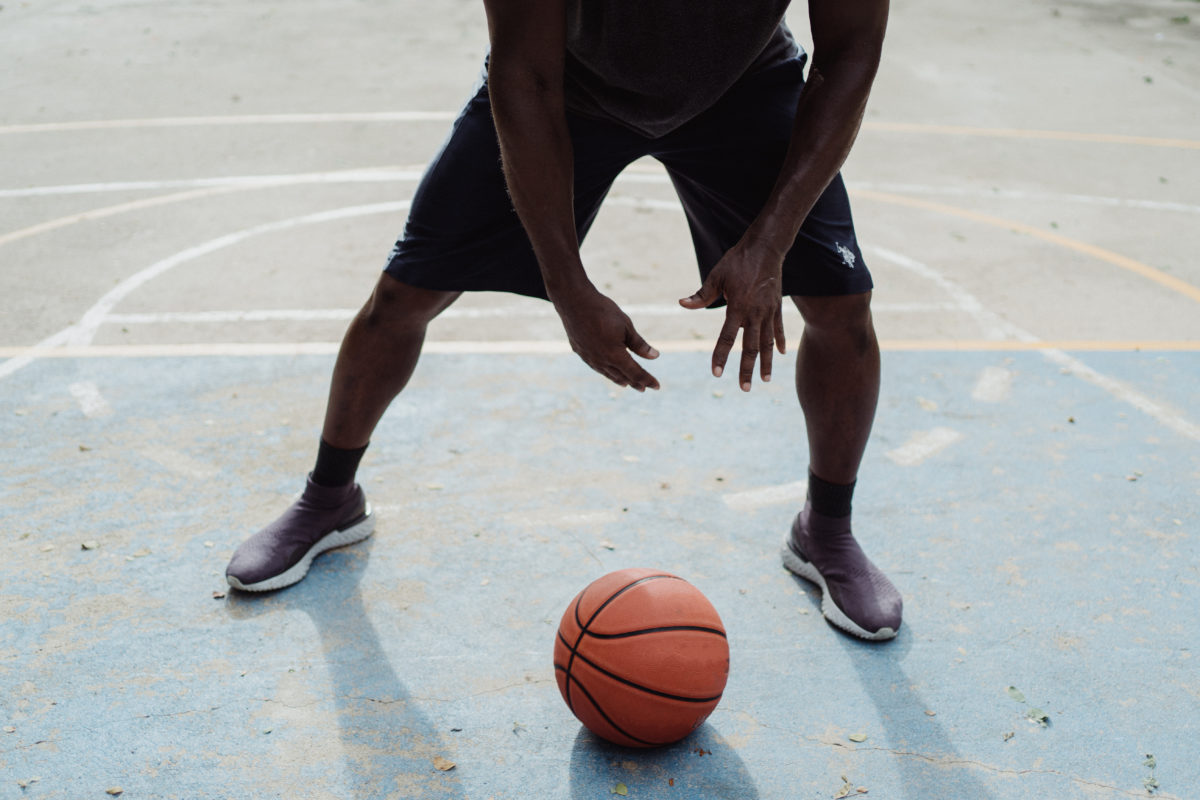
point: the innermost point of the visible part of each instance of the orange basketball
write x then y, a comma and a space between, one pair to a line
641, 657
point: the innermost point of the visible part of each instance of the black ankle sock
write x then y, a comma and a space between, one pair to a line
335, 466
830, 499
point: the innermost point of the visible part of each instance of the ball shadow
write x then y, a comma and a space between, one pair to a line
703, 766
388, 744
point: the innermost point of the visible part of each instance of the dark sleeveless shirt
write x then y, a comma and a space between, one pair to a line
652, 65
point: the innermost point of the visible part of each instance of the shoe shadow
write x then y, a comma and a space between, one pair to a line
927, 761
388, 745
701, 767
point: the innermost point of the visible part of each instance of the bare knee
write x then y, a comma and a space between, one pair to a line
393, 303
845, 316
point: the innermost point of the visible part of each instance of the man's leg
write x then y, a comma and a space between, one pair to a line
376, 359
837, 382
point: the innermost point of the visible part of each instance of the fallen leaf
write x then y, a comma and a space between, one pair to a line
1008, 735
1150, 783
9, 729
862, 790
46, 548
267, 730
208, 544
1149, 762
607, 545
670, 781
115, 790
1038, 716
1016, 694
930, 713
857, 737
90, 544
83, 448
620, 789
443, 764
218, 595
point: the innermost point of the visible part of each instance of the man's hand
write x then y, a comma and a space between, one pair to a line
751, 281
602, 335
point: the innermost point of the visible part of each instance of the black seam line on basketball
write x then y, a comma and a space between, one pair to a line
583, 627
646, 689
664, 629
607, 718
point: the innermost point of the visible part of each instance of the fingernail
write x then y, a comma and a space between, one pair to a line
653, 353
717, 372
746, 386
767, 378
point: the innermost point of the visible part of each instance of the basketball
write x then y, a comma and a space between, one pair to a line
641, 657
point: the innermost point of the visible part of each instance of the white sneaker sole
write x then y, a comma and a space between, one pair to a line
798, 566
355, 533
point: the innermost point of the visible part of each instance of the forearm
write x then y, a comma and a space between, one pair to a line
828, 116
538, 162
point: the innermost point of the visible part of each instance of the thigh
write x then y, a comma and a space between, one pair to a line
463, 233
724, 165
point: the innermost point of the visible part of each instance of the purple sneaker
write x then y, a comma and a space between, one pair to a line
280, 554
856, 596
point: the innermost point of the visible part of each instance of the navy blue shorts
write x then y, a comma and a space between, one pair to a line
464, 235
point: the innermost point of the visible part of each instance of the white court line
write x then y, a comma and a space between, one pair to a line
767, 496
246, 119
91, 402
640, 174
996, 326
922, 446
83, 332
539, 311
993, 386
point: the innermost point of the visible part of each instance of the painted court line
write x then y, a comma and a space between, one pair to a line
922, 446
994, 385
82, 333
539, 311
991, 321
91, 402
535, 346
767, 496
1108, 256
447, 116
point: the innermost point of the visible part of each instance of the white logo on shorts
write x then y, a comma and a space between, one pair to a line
847, 255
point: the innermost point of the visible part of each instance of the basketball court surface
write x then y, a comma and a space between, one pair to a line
197, 197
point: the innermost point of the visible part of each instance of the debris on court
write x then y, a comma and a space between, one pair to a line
115, 791
90, 544
1034, 715
857, 738
443, 764
1150, 782
218, 595
848, 789
620, 789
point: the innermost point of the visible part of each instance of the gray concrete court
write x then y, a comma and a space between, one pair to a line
195, 198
